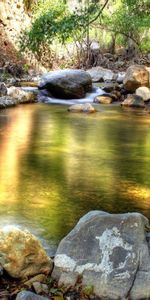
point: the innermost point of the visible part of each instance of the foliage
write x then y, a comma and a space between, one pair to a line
130, 18
53, 20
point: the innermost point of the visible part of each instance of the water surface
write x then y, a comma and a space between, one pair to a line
55, 166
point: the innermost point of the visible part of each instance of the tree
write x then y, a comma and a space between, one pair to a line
54, 21
130, 19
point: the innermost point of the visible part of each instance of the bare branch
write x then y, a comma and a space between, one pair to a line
99, 13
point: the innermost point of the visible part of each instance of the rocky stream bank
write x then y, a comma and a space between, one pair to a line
130, 88
105, 256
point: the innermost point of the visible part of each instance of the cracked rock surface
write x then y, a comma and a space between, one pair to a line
110, 252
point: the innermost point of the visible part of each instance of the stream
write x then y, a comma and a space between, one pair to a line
56, 166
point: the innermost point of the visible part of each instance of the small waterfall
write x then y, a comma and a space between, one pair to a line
89, 98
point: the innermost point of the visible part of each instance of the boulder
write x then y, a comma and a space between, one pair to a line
86, 108
136, 76
20, 95
109, 252
67, 84
103, 99
143, 92
27, 295
21, 254
133, 101
99, 74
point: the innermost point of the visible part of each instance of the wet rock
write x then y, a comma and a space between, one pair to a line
110, 252
103, 99
21, 254
99, 74
26, 295
136, 76
85, 108
133, 101
143, 92
20, 95
67, 84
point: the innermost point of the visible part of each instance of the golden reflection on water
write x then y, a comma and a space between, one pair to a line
56, 166
14, 143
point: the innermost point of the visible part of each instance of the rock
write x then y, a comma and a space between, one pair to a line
116, 95
86, 108
4, 295
103, 99
20, 95
1, 270
133, 101
3, 89
109, 87
7, 101
143, 92
136, 76
110, 252
26, 295
67, 84
40, 288
21, 254
99, 74
120, 77
38, 278
141, 287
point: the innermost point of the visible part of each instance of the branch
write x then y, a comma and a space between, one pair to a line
99, 13
119, 32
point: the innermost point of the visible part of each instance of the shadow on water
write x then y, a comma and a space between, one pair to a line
56, 166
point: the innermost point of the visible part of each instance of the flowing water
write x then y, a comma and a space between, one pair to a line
56, 166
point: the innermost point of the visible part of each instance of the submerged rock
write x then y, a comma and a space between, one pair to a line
103, 99
67, 84
111, 254
136, 76
133, 101
85, 108
21, 254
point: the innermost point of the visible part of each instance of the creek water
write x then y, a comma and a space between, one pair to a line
56, 166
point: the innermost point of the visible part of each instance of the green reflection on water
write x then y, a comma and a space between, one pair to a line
56, 166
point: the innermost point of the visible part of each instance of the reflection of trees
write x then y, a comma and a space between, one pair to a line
70, 164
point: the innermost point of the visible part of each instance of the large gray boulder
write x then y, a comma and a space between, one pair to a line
110, 252
67, 84
21, 254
